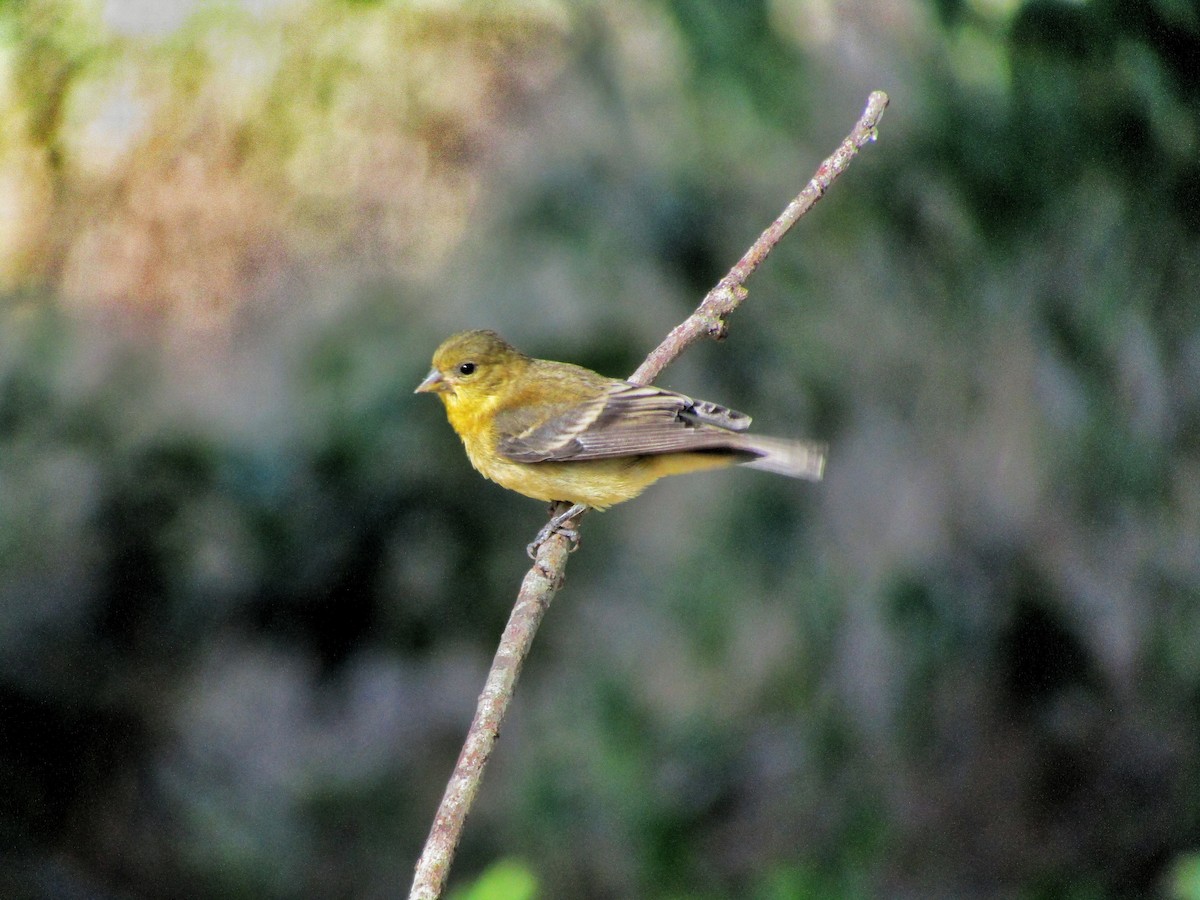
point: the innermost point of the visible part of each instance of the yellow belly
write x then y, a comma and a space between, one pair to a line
596, 483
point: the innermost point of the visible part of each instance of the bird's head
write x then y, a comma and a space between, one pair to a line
470, 365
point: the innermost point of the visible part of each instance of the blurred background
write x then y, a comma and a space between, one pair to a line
250, 586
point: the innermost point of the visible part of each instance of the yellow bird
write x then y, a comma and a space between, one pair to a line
559, 432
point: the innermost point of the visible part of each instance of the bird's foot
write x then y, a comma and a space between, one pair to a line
555, 526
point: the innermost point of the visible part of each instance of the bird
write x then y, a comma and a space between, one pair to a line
561, 433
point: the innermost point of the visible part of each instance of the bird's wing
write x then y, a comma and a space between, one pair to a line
623, 420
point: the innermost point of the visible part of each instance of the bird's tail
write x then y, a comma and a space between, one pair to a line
796, 459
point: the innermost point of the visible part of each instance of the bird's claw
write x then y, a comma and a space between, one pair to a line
544, 535
555, 526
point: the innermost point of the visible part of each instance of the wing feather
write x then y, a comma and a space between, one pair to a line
624, 420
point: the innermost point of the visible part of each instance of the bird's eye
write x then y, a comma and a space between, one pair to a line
466, 368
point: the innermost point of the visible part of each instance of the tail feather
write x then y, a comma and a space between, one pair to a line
796, 459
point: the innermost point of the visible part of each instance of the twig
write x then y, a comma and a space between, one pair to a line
709, 317
537, 590
546, 577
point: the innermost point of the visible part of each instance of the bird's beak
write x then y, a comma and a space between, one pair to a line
434, 383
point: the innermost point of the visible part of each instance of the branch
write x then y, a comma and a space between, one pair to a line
546, 577
537, 590
709, 317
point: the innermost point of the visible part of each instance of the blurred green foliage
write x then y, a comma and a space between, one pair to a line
507, 879
1185, 878
249, 585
